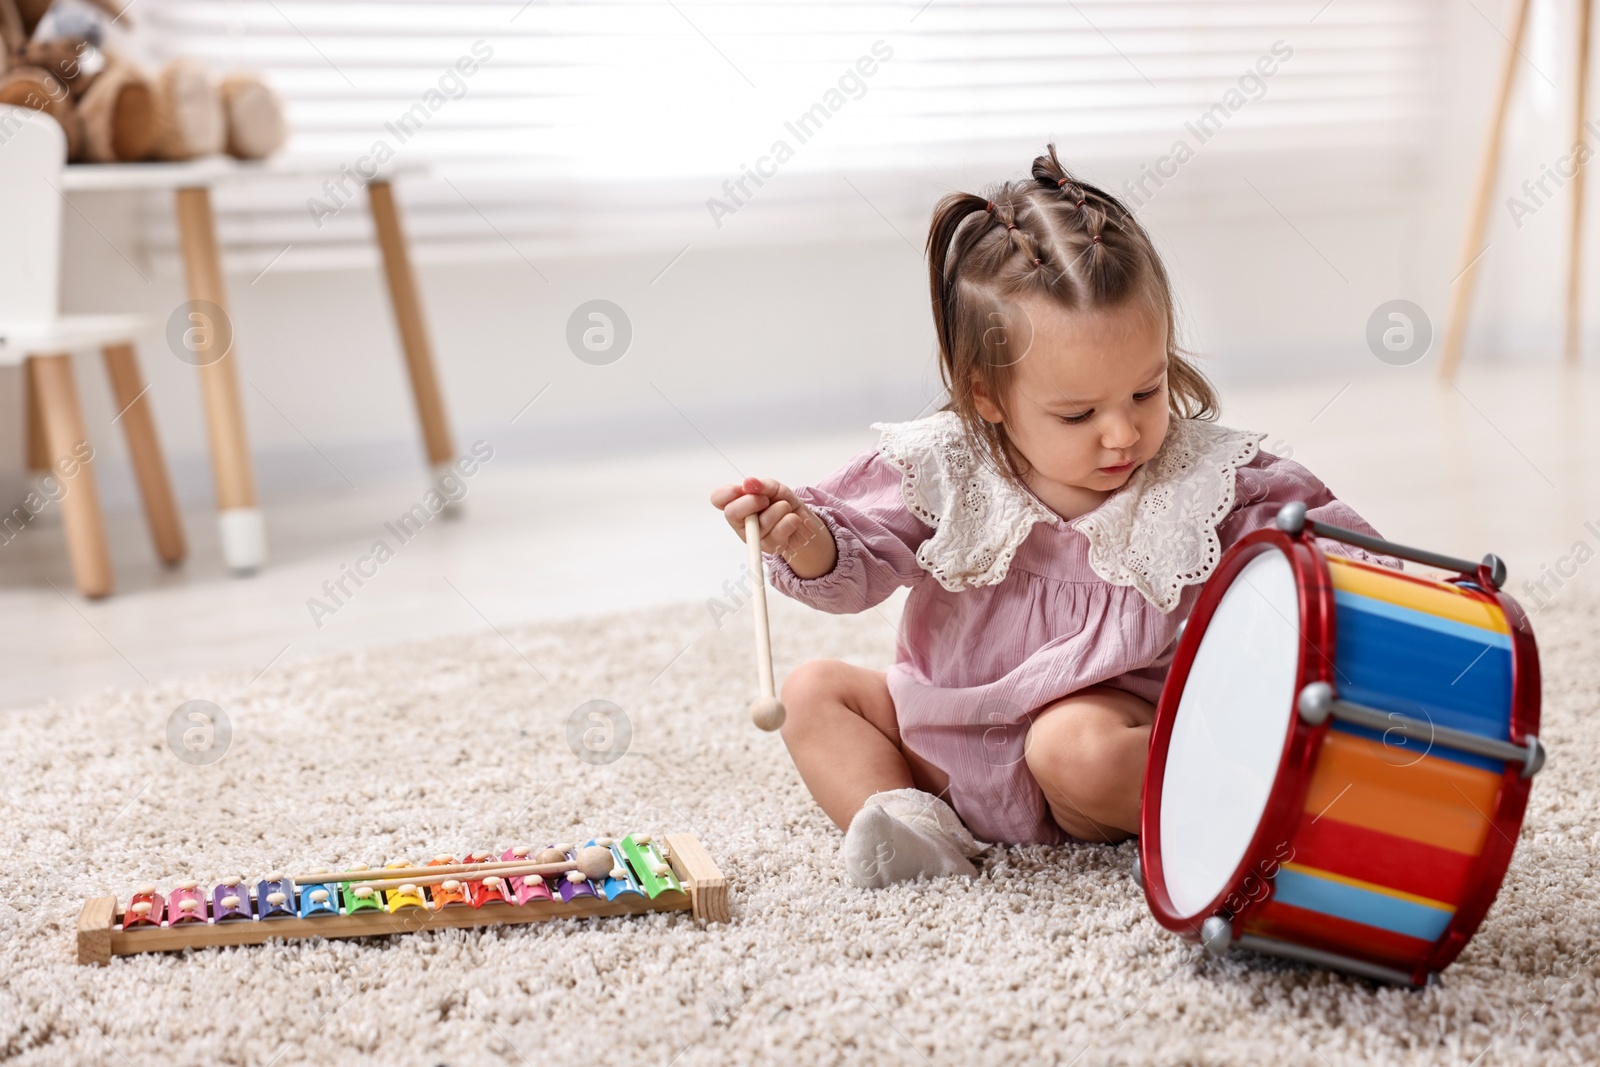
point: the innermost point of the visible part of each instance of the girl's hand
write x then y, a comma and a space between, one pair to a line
788, 527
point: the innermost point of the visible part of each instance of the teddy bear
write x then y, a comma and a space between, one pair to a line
56, 65
59, 59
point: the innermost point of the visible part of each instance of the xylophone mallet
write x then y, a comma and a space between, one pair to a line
767, 712
594, 862
491, 878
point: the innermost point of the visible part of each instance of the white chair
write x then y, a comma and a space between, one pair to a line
33, 151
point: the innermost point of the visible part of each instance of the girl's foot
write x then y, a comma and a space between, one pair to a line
903, 835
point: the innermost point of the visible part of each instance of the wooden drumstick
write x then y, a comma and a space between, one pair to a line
767, 712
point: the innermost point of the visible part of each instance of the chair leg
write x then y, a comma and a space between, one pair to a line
71, 458
160, 507
38, 450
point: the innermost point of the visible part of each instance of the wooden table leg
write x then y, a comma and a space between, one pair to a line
71, 458
1579, 134
413, 333
239, 519
144, 448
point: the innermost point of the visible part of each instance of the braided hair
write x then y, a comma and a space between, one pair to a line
1057, 238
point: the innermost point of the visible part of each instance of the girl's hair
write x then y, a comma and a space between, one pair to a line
1054, 238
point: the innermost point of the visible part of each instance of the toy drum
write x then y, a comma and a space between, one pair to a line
1341, 755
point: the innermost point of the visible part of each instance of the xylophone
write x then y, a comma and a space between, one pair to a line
606, 876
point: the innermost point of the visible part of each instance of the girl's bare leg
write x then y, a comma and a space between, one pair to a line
845, 740
1087, 752
842, 734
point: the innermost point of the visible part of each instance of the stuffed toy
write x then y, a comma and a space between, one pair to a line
118, 115
190, 121
33, 10
197, 117
256, 126
38, 90
56, 58
104, 105
63, 57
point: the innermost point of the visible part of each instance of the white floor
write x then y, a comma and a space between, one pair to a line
1500, 462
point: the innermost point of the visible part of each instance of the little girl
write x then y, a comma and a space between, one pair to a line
1055, 522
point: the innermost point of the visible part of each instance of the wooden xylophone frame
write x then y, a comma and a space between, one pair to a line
705, 894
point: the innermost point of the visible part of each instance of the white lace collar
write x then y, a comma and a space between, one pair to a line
1157, 534
979, 517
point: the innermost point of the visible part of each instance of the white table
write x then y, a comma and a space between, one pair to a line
244, 542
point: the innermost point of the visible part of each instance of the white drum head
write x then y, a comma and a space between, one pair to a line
1229, 732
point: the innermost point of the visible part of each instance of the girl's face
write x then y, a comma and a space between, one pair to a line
1088, 399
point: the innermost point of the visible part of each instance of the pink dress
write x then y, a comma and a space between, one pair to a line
1012, 608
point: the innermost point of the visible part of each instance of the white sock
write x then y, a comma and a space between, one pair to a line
905, 834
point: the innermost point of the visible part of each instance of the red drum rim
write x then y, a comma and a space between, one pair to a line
1303, 743
1315, 598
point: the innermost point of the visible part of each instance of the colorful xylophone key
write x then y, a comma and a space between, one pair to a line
573, 885
526, 887
274, 897
187, 904
358, 898
147, 908
319, 899
230, 901
621, 880
649, 866
491, 889
405, 896
450, 893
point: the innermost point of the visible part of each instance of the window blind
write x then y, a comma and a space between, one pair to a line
616, 124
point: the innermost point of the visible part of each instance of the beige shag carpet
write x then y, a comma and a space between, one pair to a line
1050, 956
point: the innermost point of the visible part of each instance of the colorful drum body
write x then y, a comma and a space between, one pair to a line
1340, 760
